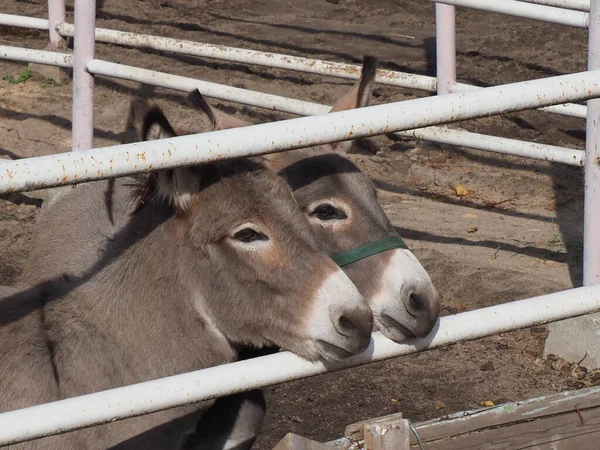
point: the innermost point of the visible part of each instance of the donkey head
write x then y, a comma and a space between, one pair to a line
341, 205
247, 256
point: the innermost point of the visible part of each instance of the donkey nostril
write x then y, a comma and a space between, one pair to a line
417, 302
355, 323
346, 323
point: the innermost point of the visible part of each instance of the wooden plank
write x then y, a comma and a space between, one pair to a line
391, 435
383, 433
356, 431
564, 421
576, 430
292, 441
510, 413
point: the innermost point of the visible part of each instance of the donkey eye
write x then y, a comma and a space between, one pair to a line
328, 212
249, 235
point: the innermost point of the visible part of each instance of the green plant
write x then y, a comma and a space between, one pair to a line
22, 78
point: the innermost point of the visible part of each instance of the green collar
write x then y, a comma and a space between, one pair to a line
364, 251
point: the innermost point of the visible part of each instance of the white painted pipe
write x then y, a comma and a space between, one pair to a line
525, 10
387, 77
175, 82
36, 56
83, 81
299, 64
24, 22
214, 90
143, 398
566, 109
498, 145
434, 134
445, 38
268, 59
76, 167
308, 108
56, 15
591, 219
579, 5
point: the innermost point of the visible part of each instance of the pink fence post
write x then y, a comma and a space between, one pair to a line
445, 38
56, 15
83, 81
591, 222
577, 339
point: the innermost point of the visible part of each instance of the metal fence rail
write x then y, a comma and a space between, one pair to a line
75, 167
143, 398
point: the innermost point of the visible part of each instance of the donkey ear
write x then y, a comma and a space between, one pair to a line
176, 186
219, 119
358, 96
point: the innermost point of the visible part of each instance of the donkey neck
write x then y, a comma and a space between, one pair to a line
140, 303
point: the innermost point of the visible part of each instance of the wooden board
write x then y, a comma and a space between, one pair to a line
565, 421
569, 420
387, 436
383, 433
563, 431
356, 431
294, 442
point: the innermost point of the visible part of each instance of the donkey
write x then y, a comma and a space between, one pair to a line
341, 205
214, 258
339, 201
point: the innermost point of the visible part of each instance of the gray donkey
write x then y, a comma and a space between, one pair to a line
213, 258
341, 205
339, 201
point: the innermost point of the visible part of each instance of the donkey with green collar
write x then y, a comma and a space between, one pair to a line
341, 204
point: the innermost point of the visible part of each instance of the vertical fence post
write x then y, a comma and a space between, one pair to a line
83, 81
56, 15
576, 339
445, 43
591, 222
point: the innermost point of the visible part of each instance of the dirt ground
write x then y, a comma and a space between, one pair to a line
517, 234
